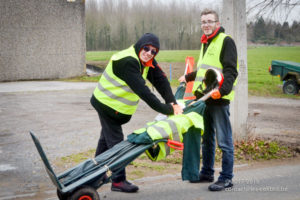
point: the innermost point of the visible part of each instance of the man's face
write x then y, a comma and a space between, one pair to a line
209, 24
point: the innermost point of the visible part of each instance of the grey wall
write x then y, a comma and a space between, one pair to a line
41, 39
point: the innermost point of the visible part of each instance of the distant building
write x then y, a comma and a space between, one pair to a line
41, 39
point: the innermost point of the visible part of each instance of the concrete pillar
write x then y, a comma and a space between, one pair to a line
41, 39
233, 19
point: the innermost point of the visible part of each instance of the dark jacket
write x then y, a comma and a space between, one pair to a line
128, 69
228, 58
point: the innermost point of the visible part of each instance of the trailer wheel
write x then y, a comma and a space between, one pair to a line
62, 196
85, 193
290, 87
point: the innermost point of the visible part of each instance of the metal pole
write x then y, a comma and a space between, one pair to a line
170, 72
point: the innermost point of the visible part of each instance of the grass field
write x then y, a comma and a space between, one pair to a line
259, 59
163, 56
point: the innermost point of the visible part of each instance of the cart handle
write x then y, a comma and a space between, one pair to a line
175, 145
204, 98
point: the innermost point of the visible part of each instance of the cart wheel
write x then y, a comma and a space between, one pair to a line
62, 196
290, 87
85, 193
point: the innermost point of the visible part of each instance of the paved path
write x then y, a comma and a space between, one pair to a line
265, 183
36, 86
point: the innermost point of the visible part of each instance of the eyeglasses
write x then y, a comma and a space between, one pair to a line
208, 23
147, 48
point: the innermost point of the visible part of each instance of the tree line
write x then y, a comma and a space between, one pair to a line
115, 25
270, 32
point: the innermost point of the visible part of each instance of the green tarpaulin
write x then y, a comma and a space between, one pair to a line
125, 152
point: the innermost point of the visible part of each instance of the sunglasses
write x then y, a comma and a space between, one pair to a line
153, 52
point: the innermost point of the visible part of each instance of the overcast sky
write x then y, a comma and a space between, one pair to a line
281, 14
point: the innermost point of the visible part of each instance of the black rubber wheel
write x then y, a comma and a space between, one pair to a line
290, 87
62, 196
85, 193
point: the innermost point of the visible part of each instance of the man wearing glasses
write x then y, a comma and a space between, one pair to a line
119, 89
218, 51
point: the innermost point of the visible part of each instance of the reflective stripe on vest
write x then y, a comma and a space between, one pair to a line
171, 128
121, 99
162, 132
174, 129
211, 59
113, 91
173, 125
115, 83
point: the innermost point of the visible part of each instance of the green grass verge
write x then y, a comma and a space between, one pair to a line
163, 56
254, 149
98, 55
261, 150
245, 151
260, 82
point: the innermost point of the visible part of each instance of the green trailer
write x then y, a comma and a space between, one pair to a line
289, 73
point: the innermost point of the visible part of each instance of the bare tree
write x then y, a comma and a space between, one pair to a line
270, 7
116, 24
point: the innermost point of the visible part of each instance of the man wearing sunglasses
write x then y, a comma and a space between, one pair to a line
218, 51
119, 89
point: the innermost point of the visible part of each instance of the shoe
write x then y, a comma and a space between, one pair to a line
220, 185
203, 178
124, 186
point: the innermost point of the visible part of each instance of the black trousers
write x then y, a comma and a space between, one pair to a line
111, 132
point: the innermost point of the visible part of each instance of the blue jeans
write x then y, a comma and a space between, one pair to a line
217, 122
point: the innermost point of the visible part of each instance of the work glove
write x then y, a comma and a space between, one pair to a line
177, 109
215, 94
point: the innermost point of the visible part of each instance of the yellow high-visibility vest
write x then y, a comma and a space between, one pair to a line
211, 59
171, 128
113, 91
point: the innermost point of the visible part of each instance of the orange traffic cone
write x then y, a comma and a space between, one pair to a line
189, 63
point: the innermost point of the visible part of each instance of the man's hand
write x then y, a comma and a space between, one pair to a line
215, 94
182, 79
177, 109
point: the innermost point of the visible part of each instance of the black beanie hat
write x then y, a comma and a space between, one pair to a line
147, 39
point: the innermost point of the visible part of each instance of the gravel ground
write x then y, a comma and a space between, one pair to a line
275, 118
